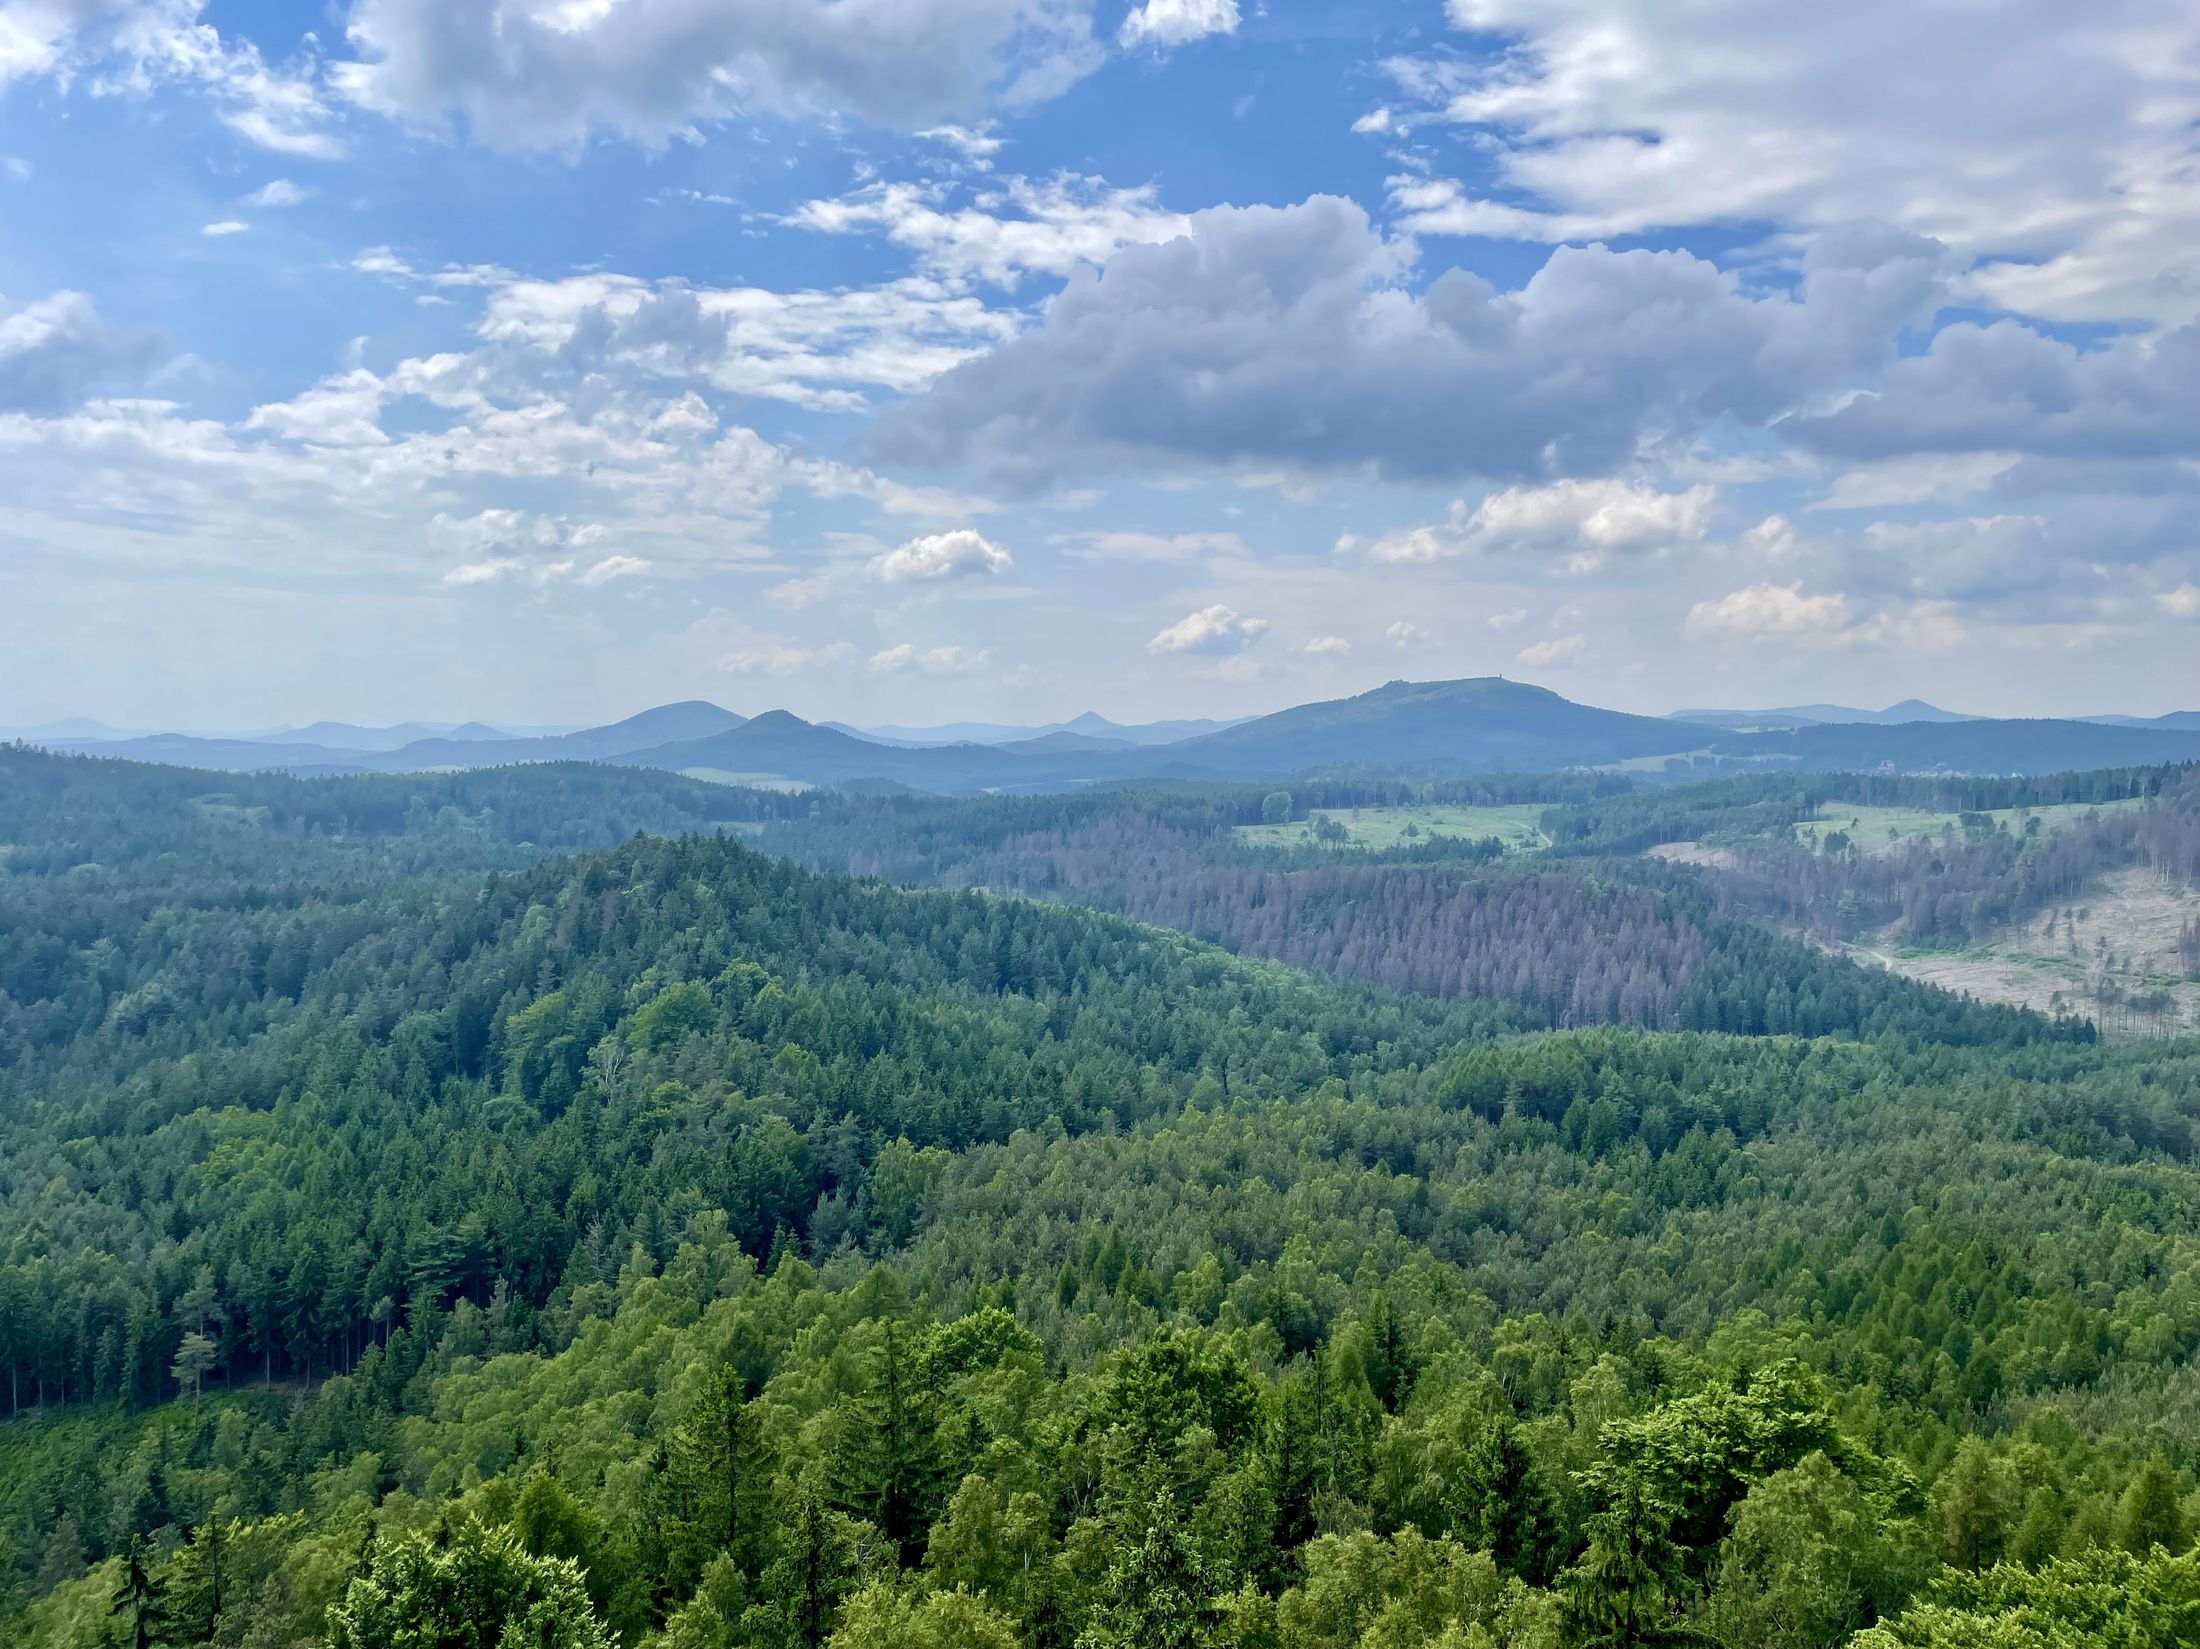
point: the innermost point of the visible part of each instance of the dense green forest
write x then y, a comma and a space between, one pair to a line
428, 1217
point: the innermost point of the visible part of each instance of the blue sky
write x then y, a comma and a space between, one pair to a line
928, 359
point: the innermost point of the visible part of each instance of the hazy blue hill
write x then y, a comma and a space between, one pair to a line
1094, 725
783, 744
73, 730
1064, 742
667, 723
1485, 723
1966, 747
2177, 721
1810, 715
344, 735
225, 754
1091, 724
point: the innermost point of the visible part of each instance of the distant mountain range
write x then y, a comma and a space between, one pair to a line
1820, 715
1480, 725
1091, 725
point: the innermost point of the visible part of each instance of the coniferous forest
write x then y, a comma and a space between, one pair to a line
580, 1206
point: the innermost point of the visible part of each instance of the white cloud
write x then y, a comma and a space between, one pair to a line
1175, 22
523, 75
1510, 618
1216, 629
228, 226
1327, 647
2056, 143
1375, 123
16, 167
974, 143
1559, 650
1770, 610
55, 352
2183, 602
798, 594
812, 348
276, 195
1140, 546
1578, 516
1403, 635
614, 566
1020, 225
772, 656
934, 661
537, 573
131, 48
483, 572
1290, 336
936, 557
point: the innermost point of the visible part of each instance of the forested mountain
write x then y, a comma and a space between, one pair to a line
1488, 724
406, 1235
1562, 944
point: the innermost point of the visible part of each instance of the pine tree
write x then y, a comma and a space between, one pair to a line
197, 1580
1158, 1593
888, 1469
2150, 1513
815, 1570
141, 1596
1622, 1594
715, 1486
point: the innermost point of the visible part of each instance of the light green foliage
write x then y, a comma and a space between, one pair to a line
1365, 1592
1812, 1556
1883, 829
891, 1617
475, 1587
2103, 1600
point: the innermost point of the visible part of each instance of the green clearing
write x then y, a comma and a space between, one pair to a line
1879, 829
746, 781
1517, 825
228, 807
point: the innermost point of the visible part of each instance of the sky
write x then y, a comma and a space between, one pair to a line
915, 360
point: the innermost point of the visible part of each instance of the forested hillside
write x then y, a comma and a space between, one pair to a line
668, 1245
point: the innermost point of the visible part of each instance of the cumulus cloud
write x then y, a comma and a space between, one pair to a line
1216, 629
2182, 602
2057, 144
129, 48
1583, 518
2007, 389
1327, 647
1558, 650
522, 75
228, 226
276, 195
931, 661
1287, 335
939, 557
56, 352
1004, 231
1141, 546
614, 567
774, 656
812, 348
1403, 635
1174, 22
1769, 610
